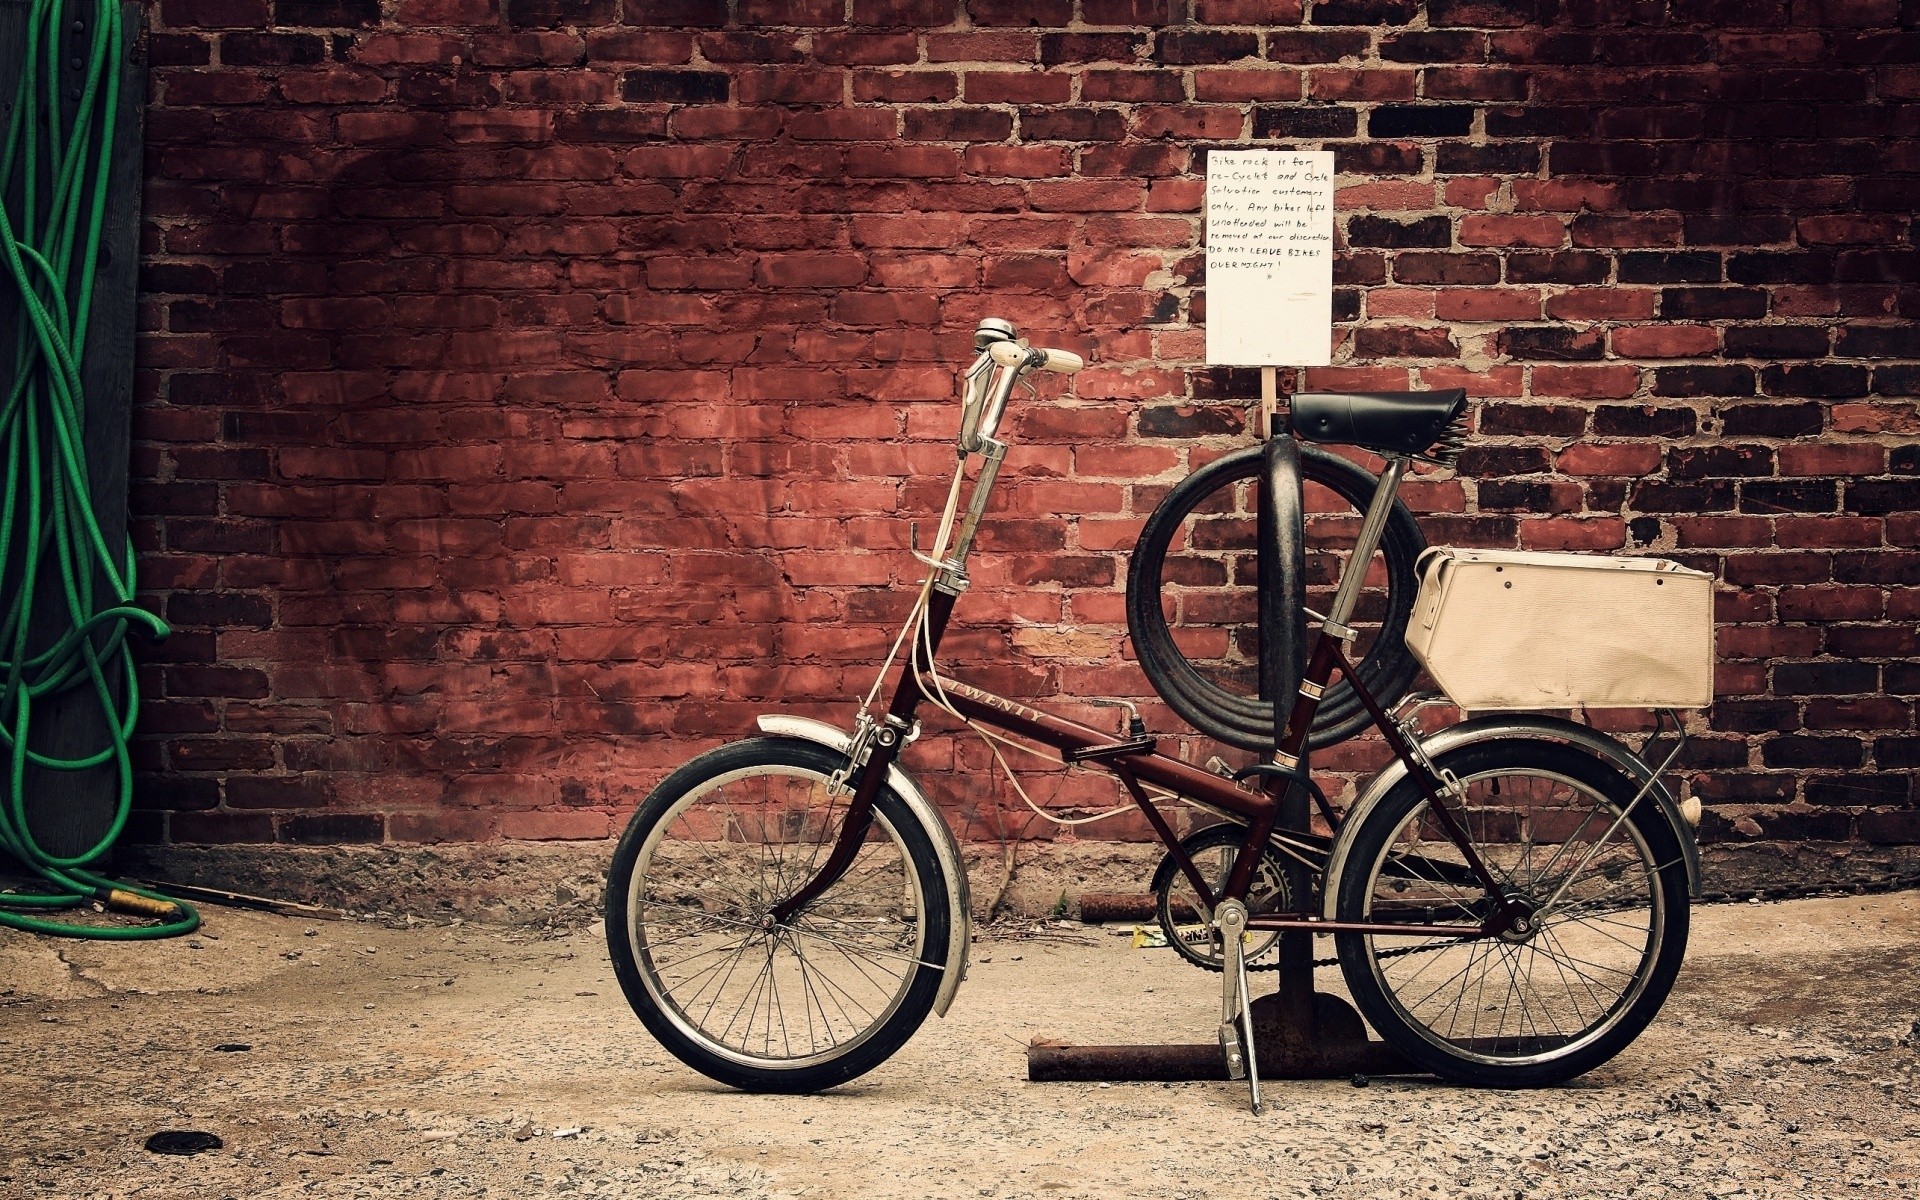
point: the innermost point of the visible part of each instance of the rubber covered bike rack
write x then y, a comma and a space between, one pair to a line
1296, 1032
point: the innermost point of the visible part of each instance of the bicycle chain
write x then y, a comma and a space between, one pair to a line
1335, 961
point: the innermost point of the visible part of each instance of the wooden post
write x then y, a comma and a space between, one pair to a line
1269, 400
69, 811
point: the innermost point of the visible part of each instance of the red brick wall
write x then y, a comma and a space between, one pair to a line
531, 386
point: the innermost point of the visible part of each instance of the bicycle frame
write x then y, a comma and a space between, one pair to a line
1136, 760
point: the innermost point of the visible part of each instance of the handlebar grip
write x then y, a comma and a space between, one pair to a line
1013, 354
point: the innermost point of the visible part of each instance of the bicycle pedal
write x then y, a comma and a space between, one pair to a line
1230, 1044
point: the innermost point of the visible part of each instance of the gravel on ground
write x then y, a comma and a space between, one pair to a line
356, 1059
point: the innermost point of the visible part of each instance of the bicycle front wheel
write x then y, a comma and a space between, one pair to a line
1607, 900
756, 1004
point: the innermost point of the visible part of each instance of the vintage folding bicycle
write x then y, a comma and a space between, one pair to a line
1507, 899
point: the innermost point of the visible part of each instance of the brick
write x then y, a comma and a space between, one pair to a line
1825, 678
1204, 47
1541, 231
1434, 46
1548, 420
1434, 231
1704, 381
1601, 459
1858, 458
1305, 121
1444, 268
1487, 304
1803, 751
865, 49
1364, 84
1717, 462
958, 125
336, 14
1138, 86
1684, 266
1420, 120
1776, 341
1058, 48
1456, 158
677, 87
915, 13
1072, 125
1606, 382
1829, 380
1044, 13
1248, 12
1890, 828
1391, 341
1771, 420
1711, 303
907, 87
1666, 341
1254, 84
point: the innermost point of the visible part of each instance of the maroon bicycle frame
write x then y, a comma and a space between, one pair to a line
1133, 763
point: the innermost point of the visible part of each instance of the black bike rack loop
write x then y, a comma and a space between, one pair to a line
1298, 1033
1247, 722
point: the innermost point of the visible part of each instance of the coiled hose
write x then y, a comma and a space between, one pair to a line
53, 178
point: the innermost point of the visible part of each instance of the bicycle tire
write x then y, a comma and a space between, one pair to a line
684, 912
1529, 1011
1387, 667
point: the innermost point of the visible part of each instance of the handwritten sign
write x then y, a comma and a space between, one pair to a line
1270, 257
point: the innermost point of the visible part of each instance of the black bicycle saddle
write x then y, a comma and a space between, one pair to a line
1389, 422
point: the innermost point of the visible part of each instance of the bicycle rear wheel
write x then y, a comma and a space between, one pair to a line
1516, 1011
758, 1005
1193, 611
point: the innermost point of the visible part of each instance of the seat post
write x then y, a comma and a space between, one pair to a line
1371, 529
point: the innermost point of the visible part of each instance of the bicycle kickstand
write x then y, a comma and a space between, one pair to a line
1236, 1007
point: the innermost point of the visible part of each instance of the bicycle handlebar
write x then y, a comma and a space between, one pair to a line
1013, 354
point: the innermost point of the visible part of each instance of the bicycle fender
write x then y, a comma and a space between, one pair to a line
960, 927
1484, 729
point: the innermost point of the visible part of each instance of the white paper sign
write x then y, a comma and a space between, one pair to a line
1270, 258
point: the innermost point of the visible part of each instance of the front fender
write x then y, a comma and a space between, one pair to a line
1482, 729
960, 926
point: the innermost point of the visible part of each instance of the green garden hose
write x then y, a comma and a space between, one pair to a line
53, 179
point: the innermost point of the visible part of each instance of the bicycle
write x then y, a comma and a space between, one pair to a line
1508, 899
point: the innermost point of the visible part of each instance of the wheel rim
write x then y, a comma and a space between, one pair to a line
772, 996
1553, 992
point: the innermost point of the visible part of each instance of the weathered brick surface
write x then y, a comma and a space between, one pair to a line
534, 391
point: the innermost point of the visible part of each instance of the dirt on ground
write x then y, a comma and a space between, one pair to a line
356, 1059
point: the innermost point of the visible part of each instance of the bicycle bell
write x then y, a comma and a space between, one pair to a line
991, 330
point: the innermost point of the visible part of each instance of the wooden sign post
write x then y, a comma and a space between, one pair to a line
1270, 304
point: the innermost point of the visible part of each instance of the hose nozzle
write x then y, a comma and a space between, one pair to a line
123, 901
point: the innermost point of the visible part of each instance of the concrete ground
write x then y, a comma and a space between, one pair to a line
472, 1061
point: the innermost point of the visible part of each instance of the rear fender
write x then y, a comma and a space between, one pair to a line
1483, 729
